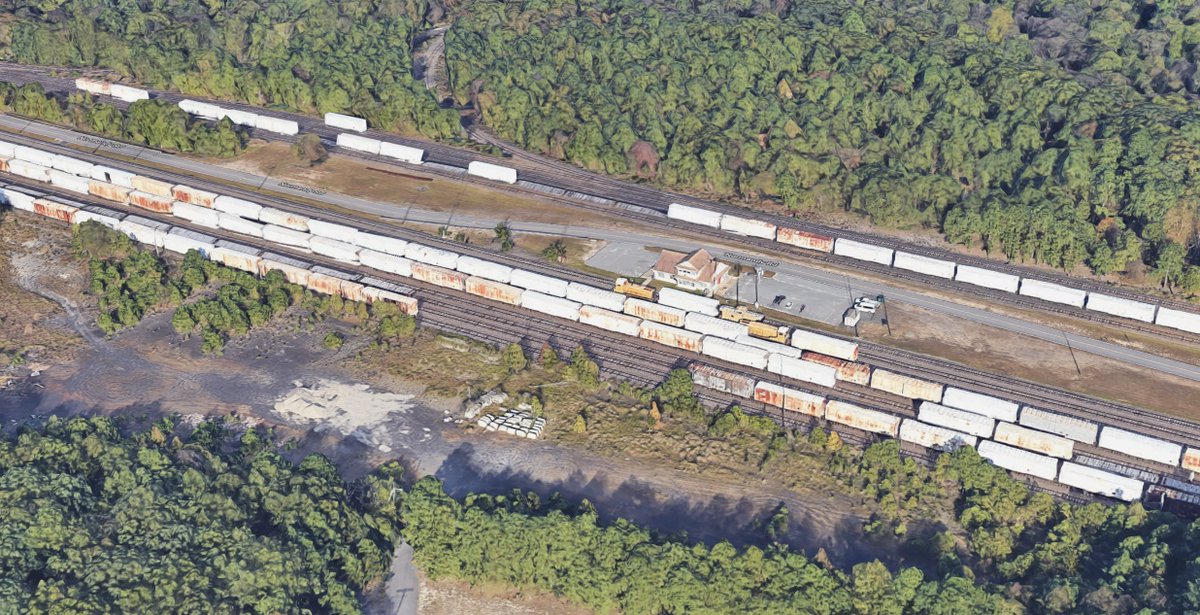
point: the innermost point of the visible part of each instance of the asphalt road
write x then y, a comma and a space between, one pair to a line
807, 275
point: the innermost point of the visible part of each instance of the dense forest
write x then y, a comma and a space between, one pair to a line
200, 522
308, 55
214, 519
914, 113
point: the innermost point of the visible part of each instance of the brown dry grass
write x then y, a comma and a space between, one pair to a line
995, 350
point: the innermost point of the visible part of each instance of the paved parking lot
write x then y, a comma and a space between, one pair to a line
821, 301
628, 259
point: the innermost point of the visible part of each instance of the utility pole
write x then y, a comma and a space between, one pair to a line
758, 271
1072, 351
887, 321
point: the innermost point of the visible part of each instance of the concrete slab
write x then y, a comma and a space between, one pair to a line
819, 302
628, 259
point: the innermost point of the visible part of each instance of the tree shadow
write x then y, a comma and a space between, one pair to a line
690, 518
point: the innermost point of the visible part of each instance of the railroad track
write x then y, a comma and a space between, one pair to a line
624, 193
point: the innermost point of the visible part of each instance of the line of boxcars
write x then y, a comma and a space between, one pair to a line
1019, 438
1022, 439
939, 268
949, 270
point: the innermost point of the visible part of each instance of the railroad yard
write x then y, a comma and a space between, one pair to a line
803, 379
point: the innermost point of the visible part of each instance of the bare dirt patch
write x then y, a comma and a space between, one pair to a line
387, 183
38, 277
456, 598
994, 350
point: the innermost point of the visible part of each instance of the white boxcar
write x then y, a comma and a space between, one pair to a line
345, 122
236, 259
200, 109
1017, 460
987, 278
93, 86
84, 215
734, 352
655, 312
239, 117
278, 217
485, 269
356, 142
670, 336
382, 243
865, 419
1184, 321
695, 215
403, 153
923, 264
906, 386
285, 236
181, 244
496, 172
824, 344
31, 170
862, 251
385, 262
708, 325
68, 181
8, 150
609, 321
1124, 308
431, 256
767, 345
1140, 446
538, 282
144, 230
599, 297
239, 224
196, 214
149, 185
1055, 293
331, 230
959, 420
293, 274
333, 248
1066, 426
549, 304
34, 155
238, 207
126, 93
979, 403
799, 369
746, 226
688, 302
789, 399
1033, 440
116, 177
74, 166
1100, 482
18, 200
277, 125
932, 436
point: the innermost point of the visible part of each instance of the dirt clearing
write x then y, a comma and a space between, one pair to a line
41, 289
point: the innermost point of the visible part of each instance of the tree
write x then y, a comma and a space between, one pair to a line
556, 251
504, 237
333, 341
513, 358
309, 149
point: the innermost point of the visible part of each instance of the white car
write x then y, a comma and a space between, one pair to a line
866, 305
